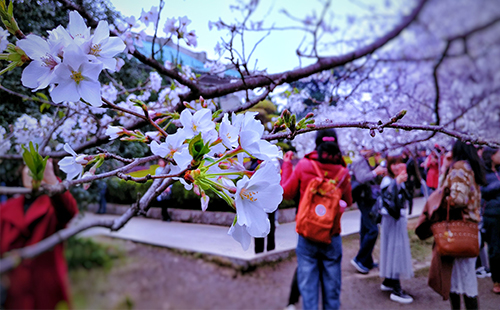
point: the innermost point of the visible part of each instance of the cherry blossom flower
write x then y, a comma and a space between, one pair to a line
104, 48
201, 121
204, 201
40, 72
155, 81
190, 38
183, 158
5, 143
72, 165
114, 132
173, 144
228, 133
3, 39
149, 17
257, 196
60, 38
169, 28
77, 78
77, 28
109, 92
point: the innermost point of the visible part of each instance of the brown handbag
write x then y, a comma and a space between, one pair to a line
456, 238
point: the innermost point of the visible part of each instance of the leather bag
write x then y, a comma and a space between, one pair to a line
428, 217
456, 238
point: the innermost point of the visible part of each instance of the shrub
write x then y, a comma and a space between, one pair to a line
86, 253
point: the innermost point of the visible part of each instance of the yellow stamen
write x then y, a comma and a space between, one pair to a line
248, 195
76, 76
96, 49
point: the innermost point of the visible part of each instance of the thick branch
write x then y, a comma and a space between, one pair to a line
322, 64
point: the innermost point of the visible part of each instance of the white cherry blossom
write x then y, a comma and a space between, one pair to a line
104, 48
257, 196
228, 133
150, 16
77, 28
3, 39
114, 132
72, 165
201, 121
77, 78
41, 70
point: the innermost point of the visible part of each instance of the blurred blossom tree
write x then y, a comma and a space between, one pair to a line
440, 71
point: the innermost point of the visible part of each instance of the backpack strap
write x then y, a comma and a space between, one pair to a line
316, 168
345, 171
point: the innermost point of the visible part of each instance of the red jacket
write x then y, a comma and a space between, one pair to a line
295, 180
41, 282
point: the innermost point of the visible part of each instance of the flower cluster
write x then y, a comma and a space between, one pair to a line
178, 27
205, 156
71, 59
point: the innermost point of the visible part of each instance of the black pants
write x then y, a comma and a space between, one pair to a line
491, 226
271, 245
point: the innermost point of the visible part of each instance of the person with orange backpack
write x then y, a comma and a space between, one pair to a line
323, 182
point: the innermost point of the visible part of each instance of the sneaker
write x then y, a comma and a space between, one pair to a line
360, 268
482, 272
385, 288
375, 265
290, 307
496, 288
398, 295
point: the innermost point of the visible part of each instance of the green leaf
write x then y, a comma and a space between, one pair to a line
197, 148
216, 114
42, 95
10, 9
44, 106
60, 114
28, 160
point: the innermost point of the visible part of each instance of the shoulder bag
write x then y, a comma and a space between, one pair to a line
456, 238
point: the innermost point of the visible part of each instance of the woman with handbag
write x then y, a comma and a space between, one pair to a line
491, 217
395, 255
462, 181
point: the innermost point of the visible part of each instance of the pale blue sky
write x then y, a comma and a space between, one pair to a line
276, 52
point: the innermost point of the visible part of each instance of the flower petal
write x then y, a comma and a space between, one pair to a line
65, 91
91, 92
240, 234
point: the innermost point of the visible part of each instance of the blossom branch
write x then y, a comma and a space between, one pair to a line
52, 190
375, 125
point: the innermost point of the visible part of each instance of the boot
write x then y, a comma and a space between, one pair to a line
471, 303
455, 301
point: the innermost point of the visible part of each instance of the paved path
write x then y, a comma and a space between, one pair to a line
213, 240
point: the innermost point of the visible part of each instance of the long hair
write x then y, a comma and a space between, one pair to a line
393, 160
487, 153
328, 148
464, 151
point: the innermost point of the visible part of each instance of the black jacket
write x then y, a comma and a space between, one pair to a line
394, 198
491, 195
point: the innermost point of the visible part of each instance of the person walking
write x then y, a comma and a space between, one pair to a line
490, 194
368, 232
431, 164
395, 254
319, 264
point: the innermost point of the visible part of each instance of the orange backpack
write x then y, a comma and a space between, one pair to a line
319, 206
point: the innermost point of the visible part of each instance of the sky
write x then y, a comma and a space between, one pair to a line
276, 52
